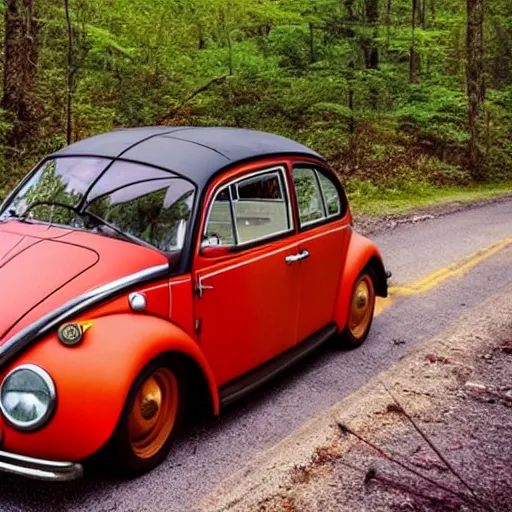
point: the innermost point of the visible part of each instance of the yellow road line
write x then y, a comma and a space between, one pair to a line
439, 276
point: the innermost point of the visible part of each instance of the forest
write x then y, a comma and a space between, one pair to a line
402, 96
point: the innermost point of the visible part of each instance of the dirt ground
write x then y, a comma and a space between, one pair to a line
452, 395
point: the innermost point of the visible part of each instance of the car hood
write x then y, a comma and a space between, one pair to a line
42, 268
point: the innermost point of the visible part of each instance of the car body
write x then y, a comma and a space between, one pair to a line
152, 268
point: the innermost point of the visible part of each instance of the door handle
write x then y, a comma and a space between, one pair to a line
297, 257
202, 287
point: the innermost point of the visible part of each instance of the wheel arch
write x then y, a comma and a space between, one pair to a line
101, 371
362, 253
199, 390
379, 273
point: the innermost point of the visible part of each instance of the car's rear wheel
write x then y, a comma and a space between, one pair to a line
362, 308
152, 415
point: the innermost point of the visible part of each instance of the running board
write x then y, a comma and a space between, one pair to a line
249, 382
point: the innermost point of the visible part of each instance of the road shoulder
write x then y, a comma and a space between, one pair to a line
457, 388
375, 224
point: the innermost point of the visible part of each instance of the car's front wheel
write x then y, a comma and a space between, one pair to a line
152, 415
362, 308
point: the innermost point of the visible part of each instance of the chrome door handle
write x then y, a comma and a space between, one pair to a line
297, 257
202, 287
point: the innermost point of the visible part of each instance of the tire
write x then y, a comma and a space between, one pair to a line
152, 416
359, 321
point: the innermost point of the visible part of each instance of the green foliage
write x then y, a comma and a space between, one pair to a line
437, 111
367, 198
294, 67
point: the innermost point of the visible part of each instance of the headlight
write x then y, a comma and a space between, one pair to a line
27, 397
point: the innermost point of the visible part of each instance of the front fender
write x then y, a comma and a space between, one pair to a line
361, 253
93, 381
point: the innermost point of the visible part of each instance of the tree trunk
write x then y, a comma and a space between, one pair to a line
350, 97
230, 49
371, 50
423, 13
20, 71
372, 11
201, 44
70, 76
414, 56
370, 47
388, 22
312, 52
227, 35
349, 5
475, 85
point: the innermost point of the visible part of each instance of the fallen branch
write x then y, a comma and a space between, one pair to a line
436, 450
344, 429
190, 97
203, 88
372, 474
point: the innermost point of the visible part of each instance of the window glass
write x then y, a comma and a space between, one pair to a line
262, 188
331, 195
61, 180
120, 174
260, 208
308, 196
219, 230
157, 212
149, 204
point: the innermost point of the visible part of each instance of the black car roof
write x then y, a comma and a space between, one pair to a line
194, 152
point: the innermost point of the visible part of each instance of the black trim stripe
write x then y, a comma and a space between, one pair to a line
25, 338
83, 202
252, 380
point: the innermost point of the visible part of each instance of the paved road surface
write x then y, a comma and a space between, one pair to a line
213, 449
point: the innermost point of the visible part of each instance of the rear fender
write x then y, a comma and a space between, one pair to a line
93, 380
361, 253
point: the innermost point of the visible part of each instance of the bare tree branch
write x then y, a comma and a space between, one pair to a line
190, 97
345, 429
435, 449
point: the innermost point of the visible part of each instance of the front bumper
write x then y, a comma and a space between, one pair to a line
40, 469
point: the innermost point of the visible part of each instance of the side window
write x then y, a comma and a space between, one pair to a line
309, 197
260, 207
219, 229
331, 195
248, 210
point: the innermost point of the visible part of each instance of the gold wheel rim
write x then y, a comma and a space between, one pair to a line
362, 306
153, 413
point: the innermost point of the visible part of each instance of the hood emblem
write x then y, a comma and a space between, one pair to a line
70, 334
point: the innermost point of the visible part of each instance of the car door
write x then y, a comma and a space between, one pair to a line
324, 236
247, 301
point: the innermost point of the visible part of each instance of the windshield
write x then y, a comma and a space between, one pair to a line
117, 198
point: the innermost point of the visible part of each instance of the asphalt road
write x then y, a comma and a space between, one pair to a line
212, 449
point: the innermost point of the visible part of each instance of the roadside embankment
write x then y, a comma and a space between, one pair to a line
384, 217
432, 433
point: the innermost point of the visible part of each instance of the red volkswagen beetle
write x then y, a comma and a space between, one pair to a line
148, 270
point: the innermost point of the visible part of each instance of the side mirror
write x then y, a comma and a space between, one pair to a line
211, 247
212, 240
215, 251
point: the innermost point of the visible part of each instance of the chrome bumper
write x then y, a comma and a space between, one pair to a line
40, 469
